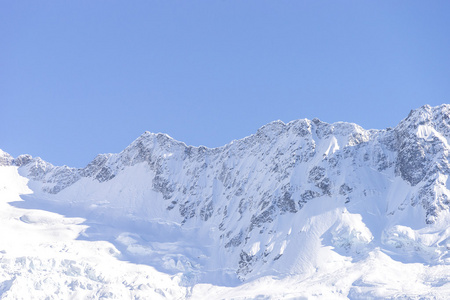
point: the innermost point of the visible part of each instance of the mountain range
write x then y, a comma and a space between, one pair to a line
298, 210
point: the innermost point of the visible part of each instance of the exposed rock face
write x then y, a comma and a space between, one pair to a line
5, 159
244, 189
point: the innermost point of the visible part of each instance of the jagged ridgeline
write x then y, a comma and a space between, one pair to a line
267, 201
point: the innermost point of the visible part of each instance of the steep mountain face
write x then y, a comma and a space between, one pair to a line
286, 200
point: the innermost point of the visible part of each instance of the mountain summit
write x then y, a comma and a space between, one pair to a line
317, 205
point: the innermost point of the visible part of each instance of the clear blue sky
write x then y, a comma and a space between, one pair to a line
78, 78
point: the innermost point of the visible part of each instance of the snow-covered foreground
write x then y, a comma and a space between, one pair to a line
46, 255
43, 257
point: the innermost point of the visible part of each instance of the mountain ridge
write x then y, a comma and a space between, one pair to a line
9, 160
295, 201
281, 201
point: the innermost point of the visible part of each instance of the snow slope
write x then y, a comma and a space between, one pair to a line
303, 209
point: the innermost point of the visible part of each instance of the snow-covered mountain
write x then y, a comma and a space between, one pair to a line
303, 209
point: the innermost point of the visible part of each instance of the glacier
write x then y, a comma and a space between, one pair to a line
298, 210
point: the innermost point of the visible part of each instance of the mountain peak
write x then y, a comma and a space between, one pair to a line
5, 158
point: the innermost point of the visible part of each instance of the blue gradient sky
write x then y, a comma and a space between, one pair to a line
78, 78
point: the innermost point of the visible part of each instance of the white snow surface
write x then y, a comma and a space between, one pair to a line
304, 210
